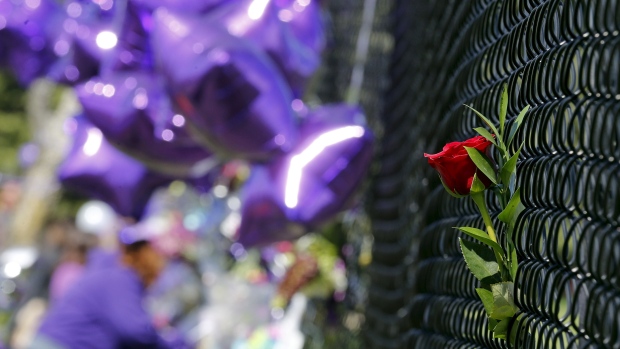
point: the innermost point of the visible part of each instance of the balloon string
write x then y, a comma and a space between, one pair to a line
361, 52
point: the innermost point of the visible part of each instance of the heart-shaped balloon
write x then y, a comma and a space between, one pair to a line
290, 31
263, 213
24, 47
234, 98
134, 113
96, 169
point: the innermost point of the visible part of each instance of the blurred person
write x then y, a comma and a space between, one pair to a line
72, 263
10, 193
103, 309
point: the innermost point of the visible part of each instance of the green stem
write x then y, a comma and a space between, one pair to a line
482, 207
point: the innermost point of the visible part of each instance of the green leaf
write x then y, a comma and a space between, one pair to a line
476, 185
514, 330
501, 329
480, 261
514, 264
487, 300
503, 301
503, 110
517, 124
509, 168
482, 237
450, 191
508, 214
486, 121
482, 163
492, 324
486, 134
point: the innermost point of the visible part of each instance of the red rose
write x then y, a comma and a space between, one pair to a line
456, 167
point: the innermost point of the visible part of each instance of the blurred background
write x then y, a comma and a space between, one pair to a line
239, 132
272, 150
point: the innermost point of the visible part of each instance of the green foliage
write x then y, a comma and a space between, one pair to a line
476, 185
517, 124
507, 215
508, 171
487, 299
503, 109
486, 134
480, 261
482, 162
14, 129
495, 265
501, 329
12, 97
503, 303
482, 237
488, 123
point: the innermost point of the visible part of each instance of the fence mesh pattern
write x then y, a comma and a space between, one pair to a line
563, 59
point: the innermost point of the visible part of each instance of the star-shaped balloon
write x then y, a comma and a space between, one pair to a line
234, 98
305, 21
290, 31
320, 176
133, 50
312, 183
187, 6
133, 111
263, 213
24, 46
85, 37
94, 168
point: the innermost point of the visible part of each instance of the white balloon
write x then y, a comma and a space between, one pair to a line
96, 217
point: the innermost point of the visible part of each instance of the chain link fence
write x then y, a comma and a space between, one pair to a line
563, 59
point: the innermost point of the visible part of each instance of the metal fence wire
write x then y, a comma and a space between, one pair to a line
563, 59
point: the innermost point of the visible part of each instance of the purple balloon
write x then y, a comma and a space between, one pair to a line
290, 31
313, 183
187, 6
23, 42
134, 113
320, 176
94, 168
86, 35
233, 97
133, 51
305, 21
263, 213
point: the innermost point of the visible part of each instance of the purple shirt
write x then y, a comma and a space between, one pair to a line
103, 310
102, 258
63, 277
